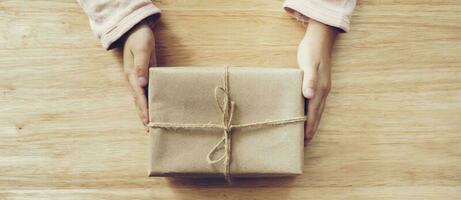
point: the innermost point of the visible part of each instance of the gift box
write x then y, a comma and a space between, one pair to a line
225, 122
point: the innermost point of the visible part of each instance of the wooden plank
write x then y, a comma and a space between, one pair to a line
69, 130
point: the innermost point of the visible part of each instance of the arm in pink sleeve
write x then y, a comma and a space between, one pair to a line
110, 19
336, 13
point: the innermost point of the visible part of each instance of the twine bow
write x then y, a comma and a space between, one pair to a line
226, 107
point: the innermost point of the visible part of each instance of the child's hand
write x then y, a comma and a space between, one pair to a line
314, 57
138, 56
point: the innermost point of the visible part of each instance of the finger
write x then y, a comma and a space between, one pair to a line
312, 115
324, 93
139, 98
309, 65
152, 63
141, 59
136, 90
319, 117
323, 89
139, 80
310, 80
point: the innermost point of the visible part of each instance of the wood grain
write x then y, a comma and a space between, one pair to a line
391, 128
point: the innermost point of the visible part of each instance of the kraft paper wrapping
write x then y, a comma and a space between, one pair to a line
186, 95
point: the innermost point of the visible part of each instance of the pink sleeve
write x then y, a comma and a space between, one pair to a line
336, 13
110, 19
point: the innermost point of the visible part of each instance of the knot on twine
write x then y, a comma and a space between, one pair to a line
227, 108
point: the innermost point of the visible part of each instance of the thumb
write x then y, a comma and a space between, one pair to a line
310, 80
141, 64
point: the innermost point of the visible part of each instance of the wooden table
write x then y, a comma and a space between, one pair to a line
391, 128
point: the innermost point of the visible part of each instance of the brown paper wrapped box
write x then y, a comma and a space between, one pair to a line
251, 118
